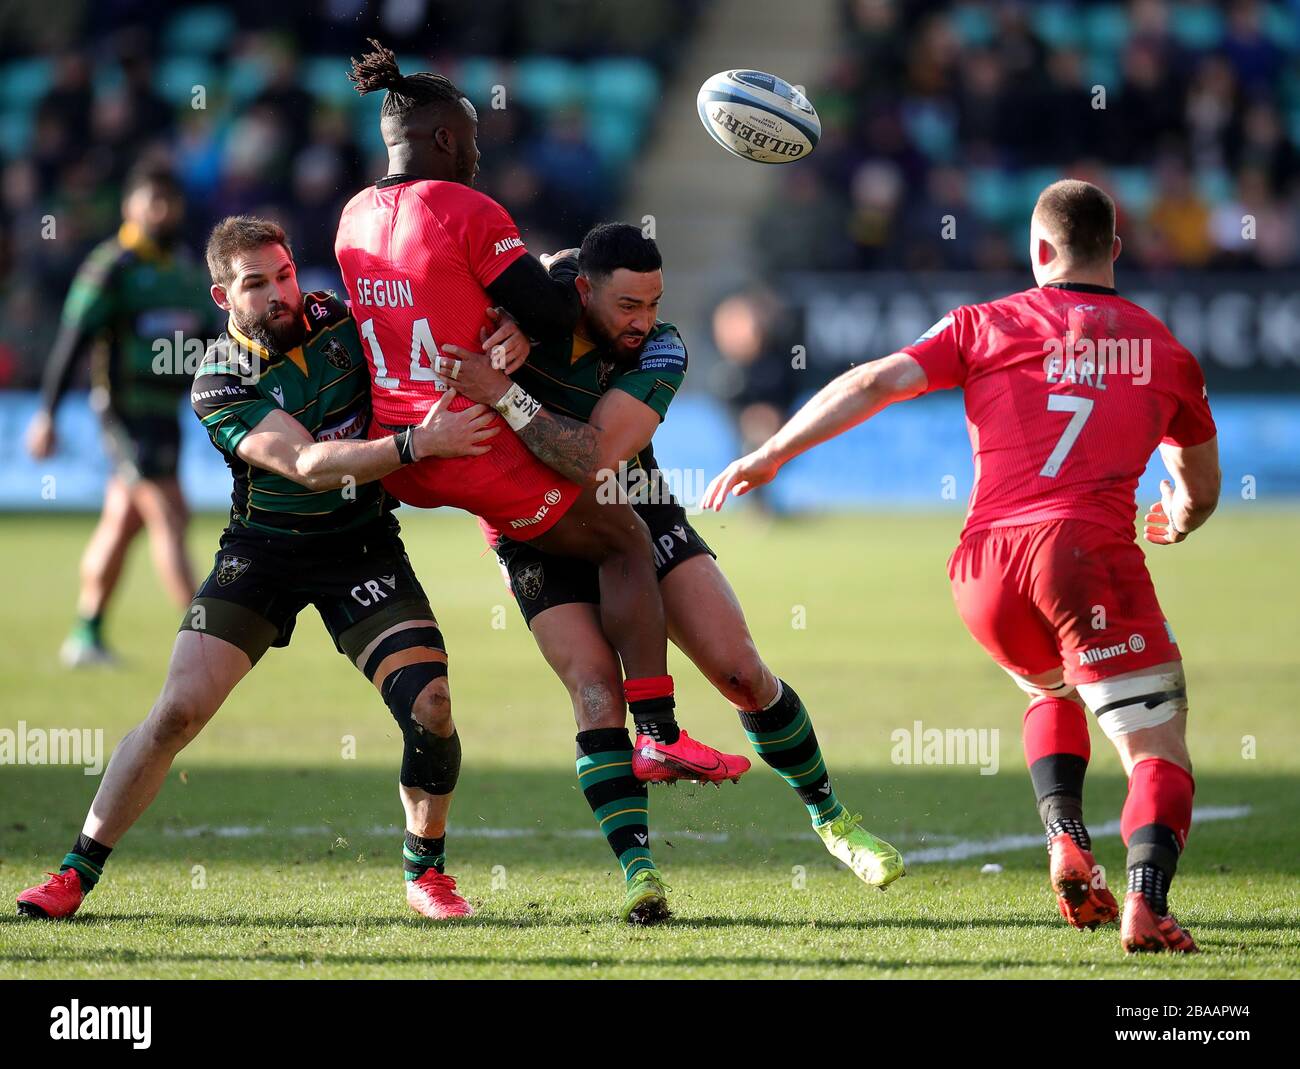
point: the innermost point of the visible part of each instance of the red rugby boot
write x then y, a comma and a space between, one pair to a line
1072, 868
667, 762
434, 895
1145, 931
56, 898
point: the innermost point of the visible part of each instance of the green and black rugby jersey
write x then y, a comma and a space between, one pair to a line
570, 376
323, 384
141, 305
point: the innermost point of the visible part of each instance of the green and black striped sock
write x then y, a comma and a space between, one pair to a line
783, 736
88, 858
617, 798
419, 855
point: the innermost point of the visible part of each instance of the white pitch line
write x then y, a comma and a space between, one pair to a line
957, 851
1109, 830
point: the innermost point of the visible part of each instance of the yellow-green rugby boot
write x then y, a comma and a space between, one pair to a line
646, 901
873, 860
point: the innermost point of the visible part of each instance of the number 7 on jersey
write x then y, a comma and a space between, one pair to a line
1082, 409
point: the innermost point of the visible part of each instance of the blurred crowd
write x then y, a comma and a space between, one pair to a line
1188, 111
252, 103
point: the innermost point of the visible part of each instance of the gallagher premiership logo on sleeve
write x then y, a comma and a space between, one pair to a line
663, 353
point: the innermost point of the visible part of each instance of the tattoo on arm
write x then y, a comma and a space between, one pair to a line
568, 445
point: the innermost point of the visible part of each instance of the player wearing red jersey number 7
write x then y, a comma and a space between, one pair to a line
1068, 390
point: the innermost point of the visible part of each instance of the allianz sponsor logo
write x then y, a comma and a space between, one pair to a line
53, 746
506, 245
1134, 644
75, 1021
551, 497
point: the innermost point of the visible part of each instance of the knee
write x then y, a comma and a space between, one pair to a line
744, 680
597, 702
432, 709
174, 722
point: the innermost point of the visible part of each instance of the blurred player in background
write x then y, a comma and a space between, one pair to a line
609, 384
756, 377
424, 256
136, 289
285, 397
1068, 389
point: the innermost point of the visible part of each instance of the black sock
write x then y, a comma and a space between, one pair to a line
419, 855
1152, 862
656, 717
1071, 826
88, 858
1152, 884
1058, 787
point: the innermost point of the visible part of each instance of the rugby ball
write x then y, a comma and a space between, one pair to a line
758, 116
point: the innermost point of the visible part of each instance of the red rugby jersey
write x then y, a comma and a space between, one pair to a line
417, 257
1069, 388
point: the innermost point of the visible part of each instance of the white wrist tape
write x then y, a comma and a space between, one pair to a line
518, 407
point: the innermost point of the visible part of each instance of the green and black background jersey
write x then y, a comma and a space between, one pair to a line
128, 296
571, 375
324, 384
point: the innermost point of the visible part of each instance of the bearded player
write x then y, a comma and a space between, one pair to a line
1068, 390
610, 384
285, 398
424, 257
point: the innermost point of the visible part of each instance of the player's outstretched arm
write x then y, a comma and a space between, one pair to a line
842, 404
281, 444
1187, 502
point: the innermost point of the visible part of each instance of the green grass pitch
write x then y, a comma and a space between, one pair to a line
271, 854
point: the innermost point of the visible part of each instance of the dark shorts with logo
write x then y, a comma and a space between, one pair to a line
541, 581
141, 447
359, 581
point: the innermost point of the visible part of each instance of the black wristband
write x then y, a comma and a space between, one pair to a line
405, 439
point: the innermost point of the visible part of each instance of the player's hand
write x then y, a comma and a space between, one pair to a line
41, 438
548, 258
739, 477
443, 433
507, 346
1159, 526
474, 375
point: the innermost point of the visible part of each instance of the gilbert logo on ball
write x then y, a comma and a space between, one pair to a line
758, 116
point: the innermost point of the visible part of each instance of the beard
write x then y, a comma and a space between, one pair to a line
277, 334
466, 167
618, 344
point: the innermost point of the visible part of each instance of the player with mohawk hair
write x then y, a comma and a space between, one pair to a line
426, 258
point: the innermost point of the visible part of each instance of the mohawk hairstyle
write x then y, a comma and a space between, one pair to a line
406, 92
